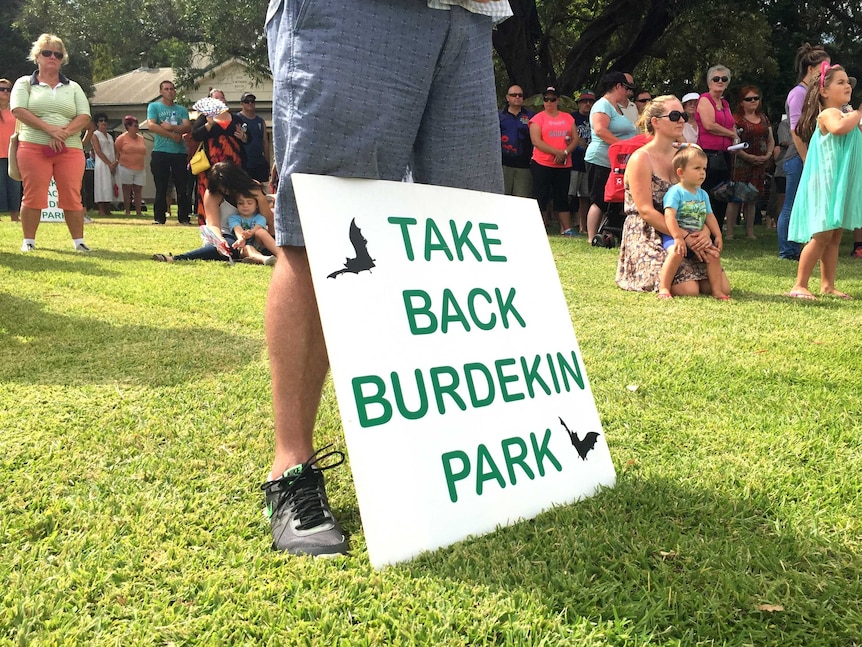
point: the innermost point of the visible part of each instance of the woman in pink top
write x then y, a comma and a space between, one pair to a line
554, 139
10, 190
716, 131
131, 152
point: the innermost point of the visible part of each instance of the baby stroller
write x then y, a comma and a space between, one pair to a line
611, 228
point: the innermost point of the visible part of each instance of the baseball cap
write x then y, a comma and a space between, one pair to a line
551, 90
247, 96
690, 96
586, 94
611, 79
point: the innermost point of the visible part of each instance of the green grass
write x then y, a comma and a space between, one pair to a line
135, 430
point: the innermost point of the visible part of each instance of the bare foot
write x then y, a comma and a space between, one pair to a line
835, 293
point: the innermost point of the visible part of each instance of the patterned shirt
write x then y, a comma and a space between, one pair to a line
499, 10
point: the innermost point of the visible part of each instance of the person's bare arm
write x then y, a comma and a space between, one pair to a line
839, 123
706, 110
601, 123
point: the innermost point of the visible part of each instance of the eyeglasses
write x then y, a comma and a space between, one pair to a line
47, 53
751, 99
675, 116
643, 100
720, 79
101, 121
249, 101
515, 94
549, 99
5, 89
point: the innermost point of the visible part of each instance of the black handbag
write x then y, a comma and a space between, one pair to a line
716, 161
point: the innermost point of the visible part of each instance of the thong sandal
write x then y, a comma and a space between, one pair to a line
838, 295
163, 258
793, 294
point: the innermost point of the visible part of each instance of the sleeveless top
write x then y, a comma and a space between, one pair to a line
828, 195
724, 117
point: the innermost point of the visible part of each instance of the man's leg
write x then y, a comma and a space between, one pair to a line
458, 143
297, 355
325, 63
161, 172
179, 172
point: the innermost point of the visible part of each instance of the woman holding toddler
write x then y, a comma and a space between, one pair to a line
649, 175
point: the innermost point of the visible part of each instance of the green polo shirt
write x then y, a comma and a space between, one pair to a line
56, 106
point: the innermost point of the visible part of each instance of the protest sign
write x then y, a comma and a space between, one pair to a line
461, 386
53, 213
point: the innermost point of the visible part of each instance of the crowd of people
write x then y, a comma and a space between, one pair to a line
671, 240
747, 160
50, 117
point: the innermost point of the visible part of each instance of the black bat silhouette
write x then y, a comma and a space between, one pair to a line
363, 260
584, 446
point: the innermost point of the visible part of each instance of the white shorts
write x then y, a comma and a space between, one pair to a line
128, 176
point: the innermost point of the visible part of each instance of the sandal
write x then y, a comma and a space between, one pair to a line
805, 296
163, 258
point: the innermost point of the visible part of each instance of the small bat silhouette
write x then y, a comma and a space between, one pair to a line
363, 260
584, 446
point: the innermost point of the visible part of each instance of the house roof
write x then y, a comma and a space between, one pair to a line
141, 86
137, 87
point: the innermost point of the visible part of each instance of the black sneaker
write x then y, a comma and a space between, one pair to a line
298, 510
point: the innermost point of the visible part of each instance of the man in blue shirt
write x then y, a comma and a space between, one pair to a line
168, 122
256, 144
516, 145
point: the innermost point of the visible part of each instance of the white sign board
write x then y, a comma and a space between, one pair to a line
461, 387
53, 213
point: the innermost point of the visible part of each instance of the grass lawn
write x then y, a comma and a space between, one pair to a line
135, 430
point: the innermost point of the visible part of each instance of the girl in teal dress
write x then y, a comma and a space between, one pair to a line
828, 199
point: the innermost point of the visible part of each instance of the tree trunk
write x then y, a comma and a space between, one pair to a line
515, 41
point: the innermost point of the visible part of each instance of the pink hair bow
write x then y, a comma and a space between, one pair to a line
824, 68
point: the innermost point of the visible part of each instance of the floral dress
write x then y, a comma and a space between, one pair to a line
641, 251
757, 138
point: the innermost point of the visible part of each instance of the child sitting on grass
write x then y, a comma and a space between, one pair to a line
687, 209
249, 227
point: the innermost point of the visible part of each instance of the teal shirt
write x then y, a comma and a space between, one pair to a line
620, 127
175, 114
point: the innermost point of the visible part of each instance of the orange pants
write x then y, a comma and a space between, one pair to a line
67, 169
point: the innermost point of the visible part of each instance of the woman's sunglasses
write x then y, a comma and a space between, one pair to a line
751, 99
720, 79
675, 116
47, 53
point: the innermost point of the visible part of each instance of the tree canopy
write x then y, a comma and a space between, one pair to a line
666, 44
